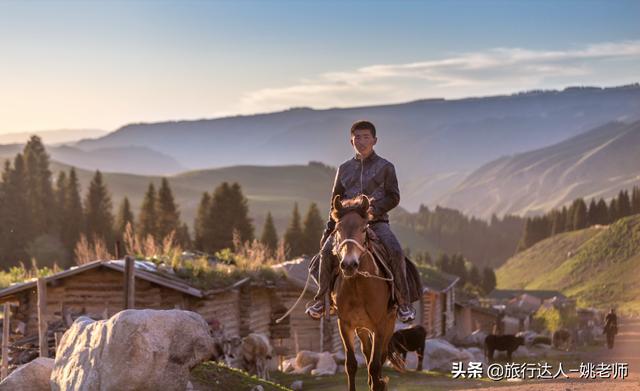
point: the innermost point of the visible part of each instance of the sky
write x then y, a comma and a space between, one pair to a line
102, 65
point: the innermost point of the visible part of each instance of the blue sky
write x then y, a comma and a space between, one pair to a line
104, 64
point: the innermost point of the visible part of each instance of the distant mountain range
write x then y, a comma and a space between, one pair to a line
523, 153
50, 137
598, 163
435, 143
136, 159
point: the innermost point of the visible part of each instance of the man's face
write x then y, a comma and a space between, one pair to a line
363, 141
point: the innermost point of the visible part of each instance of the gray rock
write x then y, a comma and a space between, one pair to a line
304, 358
296, 385
326, 365
133, 350
33, 376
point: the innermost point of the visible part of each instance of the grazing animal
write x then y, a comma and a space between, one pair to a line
508, 343
561, 338
251, 353
407, 340
362, 295
541, 339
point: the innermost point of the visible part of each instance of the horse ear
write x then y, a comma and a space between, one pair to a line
337, 204
365, 203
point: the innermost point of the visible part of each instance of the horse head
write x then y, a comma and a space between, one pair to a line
350, 241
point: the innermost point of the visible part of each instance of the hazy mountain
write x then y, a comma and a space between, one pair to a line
434, 143
598, 163
137, 159
58, 136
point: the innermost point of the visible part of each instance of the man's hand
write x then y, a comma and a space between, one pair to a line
371, 212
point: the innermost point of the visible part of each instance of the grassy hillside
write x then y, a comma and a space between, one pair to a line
597, 266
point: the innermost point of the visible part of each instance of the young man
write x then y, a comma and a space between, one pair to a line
369, 174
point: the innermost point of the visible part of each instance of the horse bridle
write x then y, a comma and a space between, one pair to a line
364, 250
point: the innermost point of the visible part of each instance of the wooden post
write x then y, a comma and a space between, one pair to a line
322, 333
117, 249
5, 340
129, 282
43, 342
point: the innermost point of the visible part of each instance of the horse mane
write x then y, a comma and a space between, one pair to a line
348, 206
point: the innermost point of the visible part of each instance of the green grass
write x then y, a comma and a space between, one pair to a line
408, 381
210, 375
215, 376
602, 270
545, 256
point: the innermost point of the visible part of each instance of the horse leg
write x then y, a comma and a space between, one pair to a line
381, 338
376, 383
365, 342
420, 353
351, 364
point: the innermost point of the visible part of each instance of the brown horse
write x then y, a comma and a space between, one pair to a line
362, 294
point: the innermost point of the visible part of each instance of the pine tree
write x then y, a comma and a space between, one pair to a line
60, 201
240, 211
443, 263
458, 268
219, 223
564, 216
603, 212
168, 217
557, 226
580, 214
528, 235
612, 211
293, 237
570, 221
147, 217
200, 222
635, 200
624, 204
592, 213
39, 190
99, 211
474, 276
73, 213
228, 213
312, 231
183, 238
488, 280
16, 215
269, 235
124, 217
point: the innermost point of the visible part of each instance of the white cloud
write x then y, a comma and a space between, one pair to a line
497, 70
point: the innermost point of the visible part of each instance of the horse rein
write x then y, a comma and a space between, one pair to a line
362, 248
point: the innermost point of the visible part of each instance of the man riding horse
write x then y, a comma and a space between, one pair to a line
371, 175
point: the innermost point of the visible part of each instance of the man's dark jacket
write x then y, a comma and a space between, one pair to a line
376, 178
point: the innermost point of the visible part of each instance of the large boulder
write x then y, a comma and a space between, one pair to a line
439, 354
476, 338
33, 376
326, 365
306, 358
477, 354
134, 350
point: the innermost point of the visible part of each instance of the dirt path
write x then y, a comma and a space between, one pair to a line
626, 350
